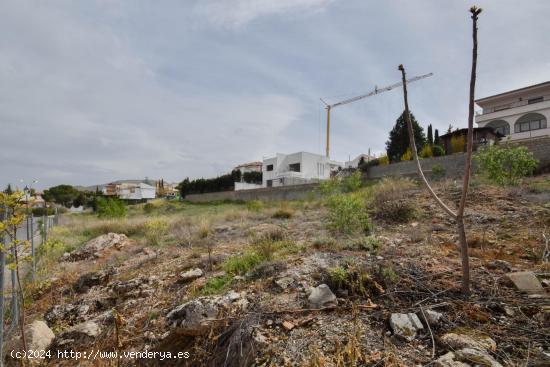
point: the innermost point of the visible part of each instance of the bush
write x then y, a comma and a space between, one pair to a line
254, 205
283, 213
426, 152
368, 243
41, 211
438, 172
148, 208
242, 264
352, 182
347, 214
438, 151
392, 201
154, 230
384, 160
329, 187
506, 165
457, 144
252, 177
407, 156
110, 208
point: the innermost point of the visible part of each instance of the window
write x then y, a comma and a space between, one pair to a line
282, 181
269, 183
294, 167
269, 167
529, 122
535, 100
500, 126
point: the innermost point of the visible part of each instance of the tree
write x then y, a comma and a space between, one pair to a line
459, 215
61, 194
506, 165
398, 142
437, 140
430, 135
8, 190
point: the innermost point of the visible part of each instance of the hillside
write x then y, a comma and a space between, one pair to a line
290, 284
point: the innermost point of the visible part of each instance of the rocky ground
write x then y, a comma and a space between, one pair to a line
326, 300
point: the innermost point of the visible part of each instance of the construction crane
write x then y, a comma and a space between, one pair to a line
376, 91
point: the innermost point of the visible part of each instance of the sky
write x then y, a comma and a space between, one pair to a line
100, 90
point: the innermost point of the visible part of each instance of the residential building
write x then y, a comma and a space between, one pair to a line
354, 163
244, 169
518, 114
483, 136
297, 168
140, 191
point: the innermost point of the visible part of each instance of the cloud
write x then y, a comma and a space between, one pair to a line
234, 14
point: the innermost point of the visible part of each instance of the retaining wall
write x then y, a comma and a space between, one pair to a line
295, 192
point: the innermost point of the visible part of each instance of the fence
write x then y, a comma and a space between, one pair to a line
30, 230
295, 192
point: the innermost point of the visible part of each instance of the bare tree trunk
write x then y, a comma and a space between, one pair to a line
459, 215
467, 171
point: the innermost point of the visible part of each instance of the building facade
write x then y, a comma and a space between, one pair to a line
130, 191
297, 168
518, 114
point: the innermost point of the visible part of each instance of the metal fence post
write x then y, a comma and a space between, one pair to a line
2, 266
45, 225
14, 300
32, 246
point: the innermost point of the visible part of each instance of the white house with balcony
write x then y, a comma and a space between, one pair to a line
297, 168
518, 114
136, 191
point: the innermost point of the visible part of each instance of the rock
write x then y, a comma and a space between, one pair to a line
284, 282
191, 275
433, 317
448, 360
468, 339
88, 280
85, 331
288, 325
500, 265
526, 281
96, 246
321, 296
193, 316
479, 357
405, 325
37, 335
134, 288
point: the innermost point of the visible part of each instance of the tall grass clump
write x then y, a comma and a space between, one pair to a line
392, 200
254, 205
155, 230
347, 213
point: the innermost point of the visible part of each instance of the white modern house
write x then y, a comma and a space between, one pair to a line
518, 114
297, 168
354, 163
135, 191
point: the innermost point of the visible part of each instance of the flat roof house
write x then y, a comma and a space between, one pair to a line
297, 168
518, 114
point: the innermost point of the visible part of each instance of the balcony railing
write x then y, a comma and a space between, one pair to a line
507, 106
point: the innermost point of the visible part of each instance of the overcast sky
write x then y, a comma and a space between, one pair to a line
94, 91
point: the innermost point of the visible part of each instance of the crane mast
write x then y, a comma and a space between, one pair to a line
376, 91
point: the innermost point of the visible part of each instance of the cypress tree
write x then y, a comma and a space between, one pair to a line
398, 142
430, 135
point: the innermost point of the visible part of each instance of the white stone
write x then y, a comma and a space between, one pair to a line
405, 325
479, 357
191, 275
321, 296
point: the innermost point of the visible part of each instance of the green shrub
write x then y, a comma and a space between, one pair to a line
426, 152
325, 243
329, 187
283, 213
216, 285
155, 230
438, 151
148, 208
391, 199
347, 213
384, 160
110, 208
438, 172
368, 243
407, 156
254, 205
242, 264
352, 182
506, 165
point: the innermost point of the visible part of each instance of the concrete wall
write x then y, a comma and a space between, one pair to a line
454, 164
296, 192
